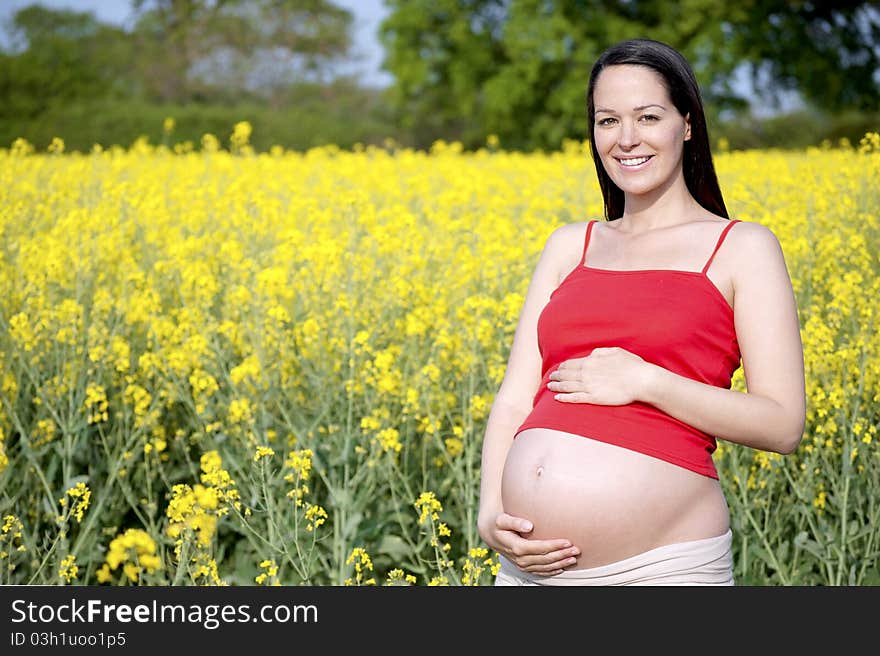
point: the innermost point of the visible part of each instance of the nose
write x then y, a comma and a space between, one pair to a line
628, 135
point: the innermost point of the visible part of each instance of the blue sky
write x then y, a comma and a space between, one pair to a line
367, 16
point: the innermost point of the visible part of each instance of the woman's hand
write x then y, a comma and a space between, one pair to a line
505, 535
608, 376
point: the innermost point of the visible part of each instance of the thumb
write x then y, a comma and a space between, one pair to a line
511, 523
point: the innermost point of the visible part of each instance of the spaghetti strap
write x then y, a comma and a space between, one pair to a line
587, 241
718, 243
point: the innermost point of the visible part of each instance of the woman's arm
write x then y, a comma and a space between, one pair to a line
505, 533
771, 416
753, 420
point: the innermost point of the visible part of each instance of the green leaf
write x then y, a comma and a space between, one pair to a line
394, 547
804, 543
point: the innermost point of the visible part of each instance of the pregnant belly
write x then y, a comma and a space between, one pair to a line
610, 502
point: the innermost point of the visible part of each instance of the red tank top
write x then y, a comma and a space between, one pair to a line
678, 320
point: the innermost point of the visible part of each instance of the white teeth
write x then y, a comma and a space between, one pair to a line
634, 162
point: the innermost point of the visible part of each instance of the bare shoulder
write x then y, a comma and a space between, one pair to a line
561, 250
756, 250
563, 236
564, 246
758, 272
750, 233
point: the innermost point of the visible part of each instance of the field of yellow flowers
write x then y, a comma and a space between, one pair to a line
226, 367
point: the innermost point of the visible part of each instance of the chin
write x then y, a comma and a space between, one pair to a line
637, 190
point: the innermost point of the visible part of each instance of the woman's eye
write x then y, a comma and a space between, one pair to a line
609, 120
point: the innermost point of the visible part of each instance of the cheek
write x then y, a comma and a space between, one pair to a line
675, 139
603, 140
603, 146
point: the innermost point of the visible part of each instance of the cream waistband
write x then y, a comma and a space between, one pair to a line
697, 562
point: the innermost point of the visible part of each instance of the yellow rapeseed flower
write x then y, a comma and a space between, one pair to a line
80, 496
134, 551
67, 569
428, 506
263, 452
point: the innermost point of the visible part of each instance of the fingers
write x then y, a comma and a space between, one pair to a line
574, 397
569, 390
545, 556
538, 556
565, 385
570, 375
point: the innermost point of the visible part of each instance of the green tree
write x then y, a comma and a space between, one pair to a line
207, 63
60, 56
829, 52
519, 68
202, 49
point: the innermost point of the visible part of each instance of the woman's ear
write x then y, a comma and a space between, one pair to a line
687, 126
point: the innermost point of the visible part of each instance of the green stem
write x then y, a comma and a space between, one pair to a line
182, 563
105, 495
61, 532
843, 531
761, 534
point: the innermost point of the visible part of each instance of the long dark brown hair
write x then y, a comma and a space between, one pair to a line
681, 84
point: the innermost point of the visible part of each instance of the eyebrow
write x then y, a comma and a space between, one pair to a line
635, 109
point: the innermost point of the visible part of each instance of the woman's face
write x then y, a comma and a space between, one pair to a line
638, 132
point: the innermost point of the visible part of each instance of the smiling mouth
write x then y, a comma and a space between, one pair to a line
633, 162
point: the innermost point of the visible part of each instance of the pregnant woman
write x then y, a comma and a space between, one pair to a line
597, 458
